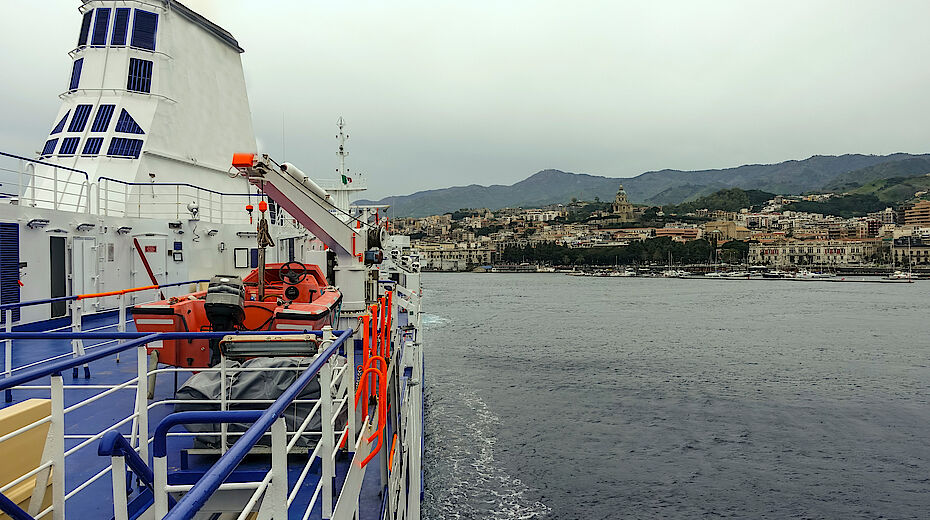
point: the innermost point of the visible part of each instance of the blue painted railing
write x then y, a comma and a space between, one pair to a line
160, 439
188, 506
113, 444
136, 339
10, 508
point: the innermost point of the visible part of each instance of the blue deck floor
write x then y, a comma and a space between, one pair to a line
95, 501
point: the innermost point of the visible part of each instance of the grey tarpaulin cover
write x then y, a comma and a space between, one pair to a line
267, 385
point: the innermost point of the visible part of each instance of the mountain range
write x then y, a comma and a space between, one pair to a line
818, 173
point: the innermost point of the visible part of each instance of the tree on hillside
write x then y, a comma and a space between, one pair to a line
732, 199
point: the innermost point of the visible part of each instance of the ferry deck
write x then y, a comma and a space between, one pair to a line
84, 376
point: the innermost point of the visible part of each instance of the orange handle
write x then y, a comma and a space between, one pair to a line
391, 456
116, 293
382, 412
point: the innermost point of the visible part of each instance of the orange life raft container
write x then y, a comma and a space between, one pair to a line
297, 297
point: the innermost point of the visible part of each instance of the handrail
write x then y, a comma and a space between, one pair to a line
45, 163
136, 339
56, 367
9, 507
16, 305
208, 190
113, 444
160, 438
210, 482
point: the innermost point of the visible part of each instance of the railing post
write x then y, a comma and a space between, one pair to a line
121, 325
33, 186
160, 479
8, 352
77, 345
56, 443
142, 393
349, 345
118, 472
21, 190
326, 415
55, 187
223, 406
278, 491
414, 445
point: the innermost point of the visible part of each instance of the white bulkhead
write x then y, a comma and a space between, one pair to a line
182, 87
153, 107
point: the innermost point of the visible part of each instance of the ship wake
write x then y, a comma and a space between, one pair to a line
470, 483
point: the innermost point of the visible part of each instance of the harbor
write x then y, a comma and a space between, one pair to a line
716, 272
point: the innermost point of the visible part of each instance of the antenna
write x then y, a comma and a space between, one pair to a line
342, 153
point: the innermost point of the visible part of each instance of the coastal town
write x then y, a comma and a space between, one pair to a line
772, 234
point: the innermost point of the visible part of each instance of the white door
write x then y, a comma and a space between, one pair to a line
149, 265
84, 270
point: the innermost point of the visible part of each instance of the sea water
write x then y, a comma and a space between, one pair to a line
550, 396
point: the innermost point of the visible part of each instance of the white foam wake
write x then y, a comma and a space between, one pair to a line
472, 483
433, 321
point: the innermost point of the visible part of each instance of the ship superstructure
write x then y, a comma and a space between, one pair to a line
134, 182
147, 187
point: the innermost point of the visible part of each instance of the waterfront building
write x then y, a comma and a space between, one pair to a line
454, 256
839, 253
910, 251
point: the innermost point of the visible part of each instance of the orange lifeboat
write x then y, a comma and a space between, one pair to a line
297, 297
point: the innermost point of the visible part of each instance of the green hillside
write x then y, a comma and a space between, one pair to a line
847, 206
727, 200
848, 182
896, 189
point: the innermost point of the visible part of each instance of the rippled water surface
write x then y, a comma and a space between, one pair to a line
550, 396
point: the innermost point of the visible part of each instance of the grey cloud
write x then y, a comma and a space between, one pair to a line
448, 93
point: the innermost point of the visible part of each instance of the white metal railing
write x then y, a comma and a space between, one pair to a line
170, 201
76, 325
337, 392
55, 456
42, 184
336, 398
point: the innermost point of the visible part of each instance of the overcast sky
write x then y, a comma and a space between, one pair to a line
441, 93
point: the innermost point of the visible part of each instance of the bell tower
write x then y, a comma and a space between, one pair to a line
623, 209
